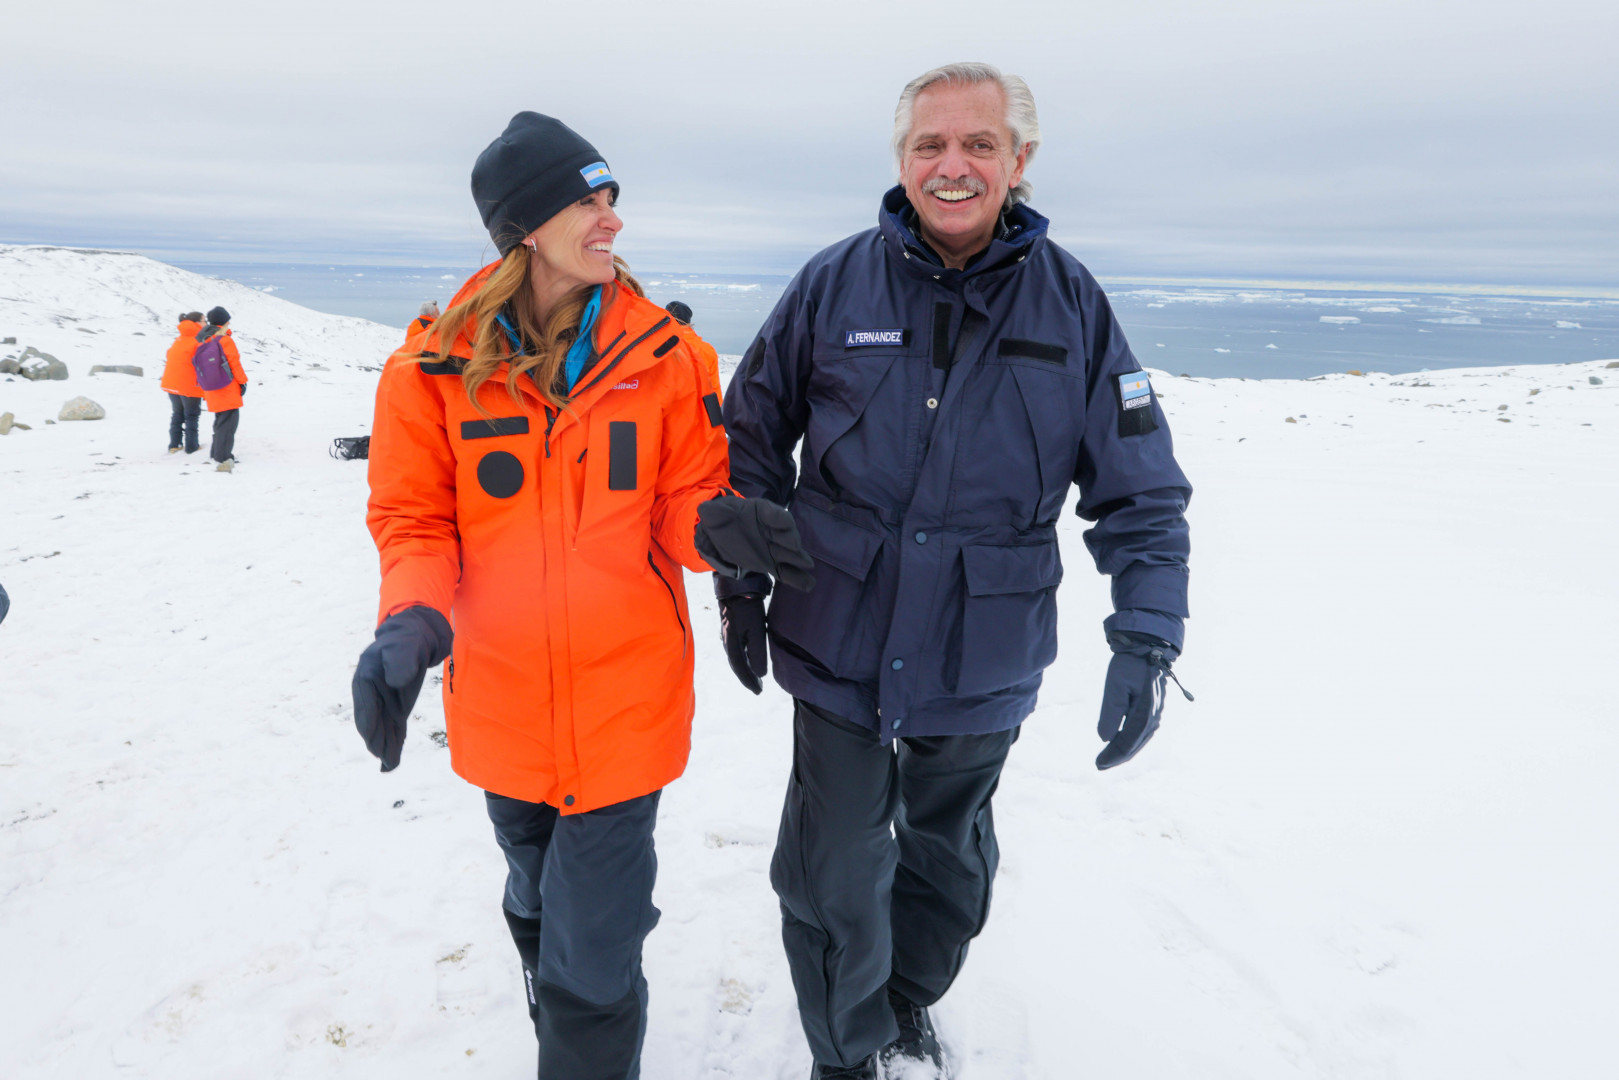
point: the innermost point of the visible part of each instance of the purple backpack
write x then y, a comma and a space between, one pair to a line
213, 369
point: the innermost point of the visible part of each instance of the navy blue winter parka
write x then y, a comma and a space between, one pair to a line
943, 415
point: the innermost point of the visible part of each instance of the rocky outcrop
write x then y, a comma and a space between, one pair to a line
82, 408
33, 364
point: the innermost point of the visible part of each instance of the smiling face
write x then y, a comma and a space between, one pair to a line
575, 247
957, 166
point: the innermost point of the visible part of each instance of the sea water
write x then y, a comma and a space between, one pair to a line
1285, 331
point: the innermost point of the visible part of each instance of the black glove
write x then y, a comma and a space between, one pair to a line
1133, 699
739, 536
5, 603
742, 632
243, 390
390, 676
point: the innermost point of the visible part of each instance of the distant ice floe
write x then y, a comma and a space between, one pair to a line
1271, 346
1222, 350
1564, 324
1382, 310
1343, 320
1456, 320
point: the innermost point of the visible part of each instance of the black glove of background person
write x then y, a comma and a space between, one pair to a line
390, 676
739, 536
742, 632
5, 603
1133, 699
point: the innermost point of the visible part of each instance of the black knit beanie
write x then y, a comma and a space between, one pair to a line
218, 316
538, 166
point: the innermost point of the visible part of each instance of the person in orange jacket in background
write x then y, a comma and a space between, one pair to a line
425, 318
180, 382
226, 402
544, 461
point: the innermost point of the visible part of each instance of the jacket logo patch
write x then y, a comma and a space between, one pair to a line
1135, 391
1034, 350
863, 339
499, 425
633, 384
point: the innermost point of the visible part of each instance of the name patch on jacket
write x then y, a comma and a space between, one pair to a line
865, 339
1135, 404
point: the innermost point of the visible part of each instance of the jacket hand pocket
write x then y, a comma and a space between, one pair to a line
1009, 623
831, 623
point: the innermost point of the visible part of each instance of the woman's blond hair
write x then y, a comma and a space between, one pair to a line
545, 341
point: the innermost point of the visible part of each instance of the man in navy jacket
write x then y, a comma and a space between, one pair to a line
942, 379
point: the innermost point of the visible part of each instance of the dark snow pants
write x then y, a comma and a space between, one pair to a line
865, 907
183, 415
224, 444
579, 904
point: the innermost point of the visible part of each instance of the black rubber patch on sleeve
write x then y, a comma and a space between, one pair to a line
440, 367
499, 425
1137, 421
500, 474
666, 346
1034, 350
753, 357
621, 455
711, 402
941, 336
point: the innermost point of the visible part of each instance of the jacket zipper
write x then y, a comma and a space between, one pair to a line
672, 600
550, 422
451, 671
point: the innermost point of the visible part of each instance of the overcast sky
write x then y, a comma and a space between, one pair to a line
1421, 140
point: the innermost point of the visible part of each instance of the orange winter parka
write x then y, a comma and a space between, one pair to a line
229, 396
554, 542
417, 325
179, 377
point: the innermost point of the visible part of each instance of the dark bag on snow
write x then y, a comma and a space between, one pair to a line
351, 447
213, 369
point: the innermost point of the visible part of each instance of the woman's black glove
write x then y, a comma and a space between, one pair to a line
739, 536
1133, 699
5, 603
742, 632
390, 676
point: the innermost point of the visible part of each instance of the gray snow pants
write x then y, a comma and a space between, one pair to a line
865, 907
579, 905
224, 445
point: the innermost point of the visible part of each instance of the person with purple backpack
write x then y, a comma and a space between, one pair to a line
223, 382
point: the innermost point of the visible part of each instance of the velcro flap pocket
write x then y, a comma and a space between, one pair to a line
834, 541
494, 427
621, 455
998, 571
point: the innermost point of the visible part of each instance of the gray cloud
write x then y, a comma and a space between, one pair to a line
1461, 141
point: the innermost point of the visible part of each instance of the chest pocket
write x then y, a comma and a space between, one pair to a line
499, 472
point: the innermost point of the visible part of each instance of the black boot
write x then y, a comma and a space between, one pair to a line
866, 1070
917, 1042
526, 934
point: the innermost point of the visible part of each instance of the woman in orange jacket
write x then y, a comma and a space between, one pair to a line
224, 403
544, 461
180, 383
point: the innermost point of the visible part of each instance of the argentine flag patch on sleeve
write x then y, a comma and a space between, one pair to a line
1135, 391
596, 175
1135, 400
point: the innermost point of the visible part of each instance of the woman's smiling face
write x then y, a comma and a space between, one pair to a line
575, 247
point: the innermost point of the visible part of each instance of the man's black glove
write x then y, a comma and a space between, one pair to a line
742, 632
739, 536
1133, 699
390, 676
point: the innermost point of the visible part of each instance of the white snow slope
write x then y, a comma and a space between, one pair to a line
1381, 844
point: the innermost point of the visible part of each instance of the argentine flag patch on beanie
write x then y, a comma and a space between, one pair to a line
596, 175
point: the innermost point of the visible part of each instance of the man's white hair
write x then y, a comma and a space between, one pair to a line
1021, 116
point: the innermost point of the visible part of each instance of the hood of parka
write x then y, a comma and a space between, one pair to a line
1018, 234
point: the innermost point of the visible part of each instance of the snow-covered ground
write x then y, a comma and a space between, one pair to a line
1381, 844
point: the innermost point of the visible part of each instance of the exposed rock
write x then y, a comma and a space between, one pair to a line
1352, 371
20, 426
36, 365
8, 341
117, 369
1593, 380
6, 420
82, 408
1609, 364
9, 366
1290, 420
